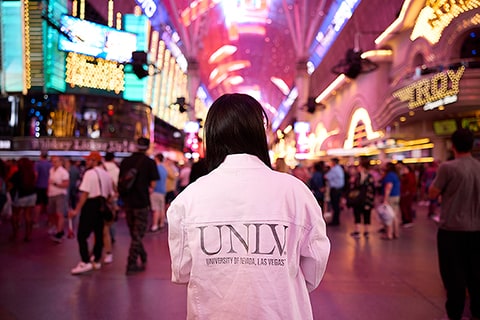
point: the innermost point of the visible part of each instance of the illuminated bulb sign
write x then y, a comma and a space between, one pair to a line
431, 93
437, 15
90, 72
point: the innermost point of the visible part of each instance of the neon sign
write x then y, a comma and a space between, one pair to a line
437, 15
441, 102
155, 12
442, 87
360, 116
337, 17
302, 130
149, 7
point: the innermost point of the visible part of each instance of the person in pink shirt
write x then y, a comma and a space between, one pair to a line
58, 183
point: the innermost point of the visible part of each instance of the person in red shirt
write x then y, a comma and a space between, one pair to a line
408, 189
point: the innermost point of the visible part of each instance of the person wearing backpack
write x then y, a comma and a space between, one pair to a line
136, 201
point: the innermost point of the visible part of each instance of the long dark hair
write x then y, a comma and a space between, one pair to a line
235, 124
26, 169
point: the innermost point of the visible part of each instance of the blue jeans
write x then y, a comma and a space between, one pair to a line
335, 195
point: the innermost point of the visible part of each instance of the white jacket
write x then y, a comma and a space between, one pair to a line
249, 241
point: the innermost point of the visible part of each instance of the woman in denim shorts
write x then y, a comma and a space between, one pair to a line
24, 197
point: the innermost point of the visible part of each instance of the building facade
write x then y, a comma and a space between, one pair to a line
70, 83
423, 87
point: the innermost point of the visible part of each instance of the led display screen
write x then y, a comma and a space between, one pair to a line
135, 87
473, 124
12, 52
444, 127
88, 38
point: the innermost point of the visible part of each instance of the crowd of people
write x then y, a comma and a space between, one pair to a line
49, 187
61, 194
362, 187
452, 186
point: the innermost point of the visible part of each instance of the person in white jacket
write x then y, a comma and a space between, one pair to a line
249, 241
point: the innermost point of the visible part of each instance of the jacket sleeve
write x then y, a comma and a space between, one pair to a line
314, 252
178, 244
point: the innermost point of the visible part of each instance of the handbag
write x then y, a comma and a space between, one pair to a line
104, 207
355, 197
105, 210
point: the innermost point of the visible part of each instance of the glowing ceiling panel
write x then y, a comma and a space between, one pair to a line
223, 33
222, 53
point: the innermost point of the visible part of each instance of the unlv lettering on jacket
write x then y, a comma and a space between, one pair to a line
250, 238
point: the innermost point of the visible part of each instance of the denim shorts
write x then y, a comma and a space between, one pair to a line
24, 202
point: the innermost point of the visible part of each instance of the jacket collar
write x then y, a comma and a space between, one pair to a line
241, 160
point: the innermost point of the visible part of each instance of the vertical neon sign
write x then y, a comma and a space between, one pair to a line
302, 130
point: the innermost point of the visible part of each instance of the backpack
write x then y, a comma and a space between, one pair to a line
126, 181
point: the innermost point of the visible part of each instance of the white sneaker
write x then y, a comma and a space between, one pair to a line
82, 267
108, 258
96, 265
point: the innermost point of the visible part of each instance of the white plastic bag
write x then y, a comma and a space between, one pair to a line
385, 213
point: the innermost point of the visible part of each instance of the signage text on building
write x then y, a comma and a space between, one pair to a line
442, 86
74, 144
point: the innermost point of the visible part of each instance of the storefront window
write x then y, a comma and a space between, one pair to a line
37, 113
63, 116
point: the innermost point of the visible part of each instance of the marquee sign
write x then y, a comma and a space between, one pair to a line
437, 15
433, 92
